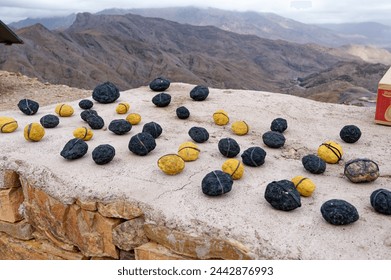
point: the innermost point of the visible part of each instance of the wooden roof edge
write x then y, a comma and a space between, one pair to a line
7, 36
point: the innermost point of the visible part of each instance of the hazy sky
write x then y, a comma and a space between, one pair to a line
315, 11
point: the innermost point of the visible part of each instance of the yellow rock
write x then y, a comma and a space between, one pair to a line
122, 108
133, 118
234, 168
83, 133
8, 124
330, 152
34, 132
220, 117
240, 128
64, 110
188, 151
304, 185
171, 164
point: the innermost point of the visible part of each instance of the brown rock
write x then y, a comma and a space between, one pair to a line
198, 247
15, 249
119, 209
21, 230
10, 200
67, 225
87, 205
130, 234
11, 179
127, 255
154, 251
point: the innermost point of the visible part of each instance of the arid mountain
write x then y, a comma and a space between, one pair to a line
131, 50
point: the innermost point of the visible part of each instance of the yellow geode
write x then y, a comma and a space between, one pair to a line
188, 151
83, 133
220, 117
330, 152
34, 132
171, 164
234, 168
133, 118
8, 124
122, 108
240, 128
64, 110
304, 185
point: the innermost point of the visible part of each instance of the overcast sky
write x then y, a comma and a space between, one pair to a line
315, 11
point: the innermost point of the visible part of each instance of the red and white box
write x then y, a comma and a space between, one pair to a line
383, 103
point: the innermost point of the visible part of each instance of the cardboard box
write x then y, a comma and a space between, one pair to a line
383, 103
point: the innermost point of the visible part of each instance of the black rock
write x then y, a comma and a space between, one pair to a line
153, 128
86, 104
28, 107
273, 139
105, 93
162, 99
381, 201
216, 183
182, 112
120, 127
142, 143
74, 149
159, 84
282, 195
279, 125
199, 93
95, 121
199, 134
49, 121
103, 154
339, 212
361, 170
254, 156
228, 147
350, 133
85, 114
314, 164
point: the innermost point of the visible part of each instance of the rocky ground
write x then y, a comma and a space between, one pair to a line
15, 86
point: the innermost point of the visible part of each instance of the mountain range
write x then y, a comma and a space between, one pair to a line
130, 50
264, 25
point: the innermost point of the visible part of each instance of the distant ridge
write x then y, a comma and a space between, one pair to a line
264, 25
131, 50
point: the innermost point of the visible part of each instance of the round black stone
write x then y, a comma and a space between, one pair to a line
199, 93
142, 143
49, 121
153, 128
279, 125
228, 147
103, 154
273, 139
182, 112
105, 93
350, 133
159, 84
199, 134
86, 104
95, 122
254, 156
282, 195
339, 212
162, 99
74, 149
381, 201
314, 164
216, 183
120, 127
28, 106
85, 114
